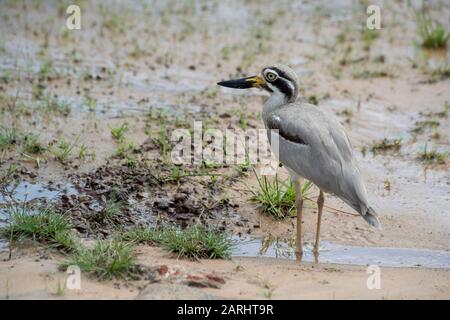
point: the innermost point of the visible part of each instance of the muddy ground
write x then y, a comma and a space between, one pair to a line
152, 67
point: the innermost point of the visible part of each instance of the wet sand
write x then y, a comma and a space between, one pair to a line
29, 277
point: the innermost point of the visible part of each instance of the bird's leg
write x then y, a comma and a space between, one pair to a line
320, 202
299, 205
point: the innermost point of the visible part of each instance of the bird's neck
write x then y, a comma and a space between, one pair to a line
275, 101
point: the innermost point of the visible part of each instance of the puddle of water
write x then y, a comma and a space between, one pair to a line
26, 191
114, 109
332, 253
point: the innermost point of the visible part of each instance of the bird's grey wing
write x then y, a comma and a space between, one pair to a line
314, 145
311, 143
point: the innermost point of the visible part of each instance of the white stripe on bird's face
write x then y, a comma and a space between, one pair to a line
278, 96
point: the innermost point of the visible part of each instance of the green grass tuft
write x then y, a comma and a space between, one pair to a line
63, 149
433, 156
31, 144
43, 225
55, 106
195, 242
106, 260
431, 32
386, 144
111, 212
276, 198
118, 133
421, 126
8, 137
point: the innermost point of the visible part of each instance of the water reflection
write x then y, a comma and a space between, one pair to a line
274, 247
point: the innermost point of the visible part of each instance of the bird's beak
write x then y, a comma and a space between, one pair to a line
244, 83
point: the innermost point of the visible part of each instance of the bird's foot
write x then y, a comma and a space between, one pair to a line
299, 256
316, 255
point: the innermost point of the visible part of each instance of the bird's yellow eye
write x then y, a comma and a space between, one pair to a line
271, 76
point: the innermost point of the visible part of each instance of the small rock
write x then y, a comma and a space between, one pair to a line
225, 115
216, 278
180, 197
162, 270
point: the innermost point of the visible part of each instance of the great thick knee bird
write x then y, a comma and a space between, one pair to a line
312, 144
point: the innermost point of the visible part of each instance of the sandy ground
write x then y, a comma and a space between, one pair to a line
172, 58
31, 277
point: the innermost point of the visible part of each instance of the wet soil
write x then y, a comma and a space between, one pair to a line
31, 276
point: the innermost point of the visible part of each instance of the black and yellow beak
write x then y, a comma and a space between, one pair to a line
244, 83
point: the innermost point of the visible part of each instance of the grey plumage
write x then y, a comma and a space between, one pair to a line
314, 145
310, 143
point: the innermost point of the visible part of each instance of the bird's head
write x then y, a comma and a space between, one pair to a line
279, 80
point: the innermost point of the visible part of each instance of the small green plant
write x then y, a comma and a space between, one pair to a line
174, 175
131, 162
440, 114
8, 137
244, 167
347, 114
82, 150
387, 185
371, 73
141, 235
432, 33
31, 144
368, 36
106, 260
113, 21
46, 70
124, 149
6, 176
312, 99
111, 211
268, 293
7, 290
42, 225
198, 242
243, 120
420, 126
210, 93
60, 288
363, 151
163, 140
137, 52
56, 106
436, 135
386, 144
432, 156
276, 198
91, 104
194, 242
440, 72
118, 133
63, 150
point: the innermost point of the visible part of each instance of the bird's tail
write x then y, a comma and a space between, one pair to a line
371, 217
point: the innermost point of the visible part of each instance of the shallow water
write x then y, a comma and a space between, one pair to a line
332, 253
27, 191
